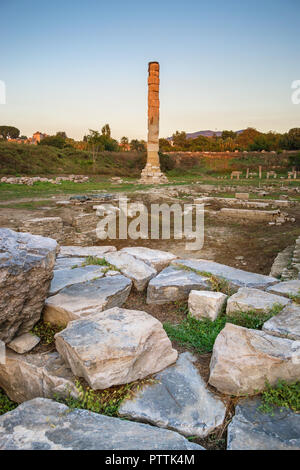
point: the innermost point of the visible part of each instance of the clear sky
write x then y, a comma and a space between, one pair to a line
71, 65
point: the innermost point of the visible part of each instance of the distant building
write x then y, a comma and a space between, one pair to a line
34, 140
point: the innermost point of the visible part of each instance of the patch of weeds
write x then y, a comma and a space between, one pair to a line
283, 395
199, 335
93, 260
46, 331
295, 297
106, 401
252, 319
5, 403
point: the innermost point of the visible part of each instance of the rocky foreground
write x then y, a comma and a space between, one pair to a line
106, 345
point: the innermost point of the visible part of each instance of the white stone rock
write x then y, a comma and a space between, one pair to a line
26, 267
250, 429
114, 347
84, 298
174, 284
286, 324
46, 424
247, 299
84, 251
24, 343
287, 288
178, 400
206, 304
67, 277
139, 272
156, 258
243, 360
235, 277
26, 376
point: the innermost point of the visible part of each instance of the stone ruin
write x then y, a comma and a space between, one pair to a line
152, 172
30, 180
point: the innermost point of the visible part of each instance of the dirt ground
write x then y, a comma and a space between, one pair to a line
250, 246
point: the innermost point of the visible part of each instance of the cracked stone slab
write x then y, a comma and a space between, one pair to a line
84, 251
156, 258
82, 299
26, 269
27, 376
236, 277
114, 347
139, 272
243, 360
252, 430
179, 401
67, 277
174, 284
287, 288
43, 424
24, 343
247, 299
286, 324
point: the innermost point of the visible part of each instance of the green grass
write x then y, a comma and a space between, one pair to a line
5, 403
93, 260
252, 319
198, 335
283, 395
46, 332
106, 401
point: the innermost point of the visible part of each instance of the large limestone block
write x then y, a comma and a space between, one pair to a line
84, 251
247, 299
179, 400
250, 429
174, 284
116, 346
156, 258
26, 269
206, 304
287, 288
243, 360
67, 277
286, 324
27, 376
139, 272
88, 297
235, 277
48, 425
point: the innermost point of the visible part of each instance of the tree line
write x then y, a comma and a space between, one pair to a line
97, 141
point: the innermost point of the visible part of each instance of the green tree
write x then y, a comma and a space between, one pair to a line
137, 145
124, 143
62, 134
7, 132
106, 130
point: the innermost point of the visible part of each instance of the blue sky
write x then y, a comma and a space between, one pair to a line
74, 65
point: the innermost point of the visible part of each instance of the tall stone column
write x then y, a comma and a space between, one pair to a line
152, 173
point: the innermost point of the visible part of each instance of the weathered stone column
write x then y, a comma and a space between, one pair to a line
152, 173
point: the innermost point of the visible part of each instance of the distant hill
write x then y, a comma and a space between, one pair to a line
194, 135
